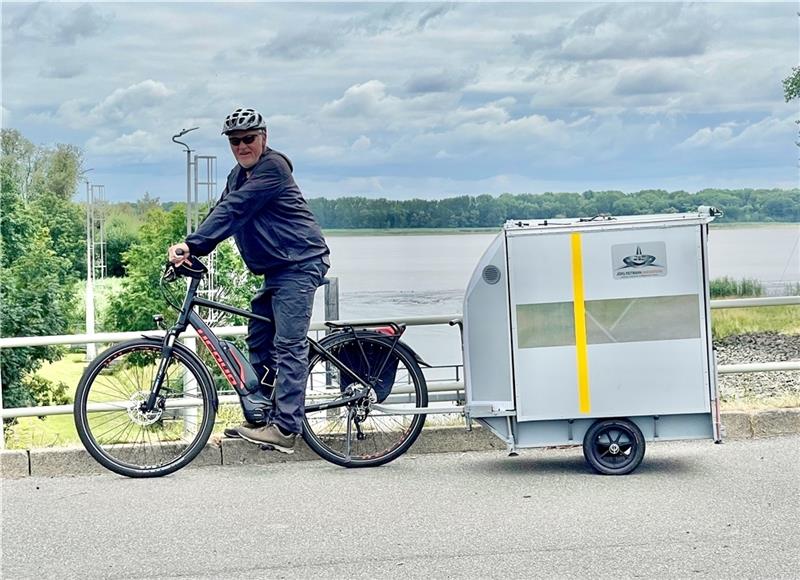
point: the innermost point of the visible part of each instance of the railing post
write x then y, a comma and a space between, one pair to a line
331, 313
332, 299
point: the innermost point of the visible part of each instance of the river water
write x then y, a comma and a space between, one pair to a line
393, 276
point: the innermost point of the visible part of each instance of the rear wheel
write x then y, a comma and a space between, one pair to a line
377, 428
614, 446
118, 431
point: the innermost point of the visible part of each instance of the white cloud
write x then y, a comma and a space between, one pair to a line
139, 144
767, 131
123, 104
367, 98
60, 25
708, 136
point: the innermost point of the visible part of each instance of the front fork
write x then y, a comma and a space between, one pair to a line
166, 354
168, 346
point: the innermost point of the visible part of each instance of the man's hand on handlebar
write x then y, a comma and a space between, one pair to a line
178, 254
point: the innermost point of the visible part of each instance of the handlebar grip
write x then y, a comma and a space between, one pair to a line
180, 252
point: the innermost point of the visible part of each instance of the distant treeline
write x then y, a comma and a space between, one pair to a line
466, 211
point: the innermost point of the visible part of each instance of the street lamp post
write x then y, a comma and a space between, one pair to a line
189, 383
91, 348
188, 177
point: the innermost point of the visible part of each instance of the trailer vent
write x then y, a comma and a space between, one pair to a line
491, 274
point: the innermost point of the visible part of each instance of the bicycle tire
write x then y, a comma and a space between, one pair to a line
115, 384
385, 437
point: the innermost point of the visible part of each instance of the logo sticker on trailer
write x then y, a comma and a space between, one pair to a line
639, 260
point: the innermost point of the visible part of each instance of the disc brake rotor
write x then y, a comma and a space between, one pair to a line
140, 417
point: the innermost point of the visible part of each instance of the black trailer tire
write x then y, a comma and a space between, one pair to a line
614, 446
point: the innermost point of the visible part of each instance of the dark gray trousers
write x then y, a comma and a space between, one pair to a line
287, 298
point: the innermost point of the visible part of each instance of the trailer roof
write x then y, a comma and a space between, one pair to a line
703, 215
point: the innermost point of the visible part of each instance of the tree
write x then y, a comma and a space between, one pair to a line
791, 85
41, 255
122, 232
34, 298
20, 160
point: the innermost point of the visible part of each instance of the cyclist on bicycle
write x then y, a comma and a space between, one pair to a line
279, 238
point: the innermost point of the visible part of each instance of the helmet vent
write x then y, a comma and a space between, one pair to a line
491, 274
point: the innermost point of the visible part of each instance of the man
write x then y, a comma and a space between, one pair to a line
278, 236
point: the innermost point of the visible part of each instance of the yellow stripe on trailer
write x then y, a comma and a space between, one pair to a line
584, 405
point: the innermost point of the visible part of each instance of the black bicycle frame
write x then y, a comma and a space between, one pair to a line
228, 363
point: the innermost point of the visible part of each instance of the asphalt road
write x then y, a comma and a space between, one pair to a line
692, 510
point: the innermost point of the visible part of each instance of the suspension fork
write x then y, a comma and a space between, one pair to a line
168, 346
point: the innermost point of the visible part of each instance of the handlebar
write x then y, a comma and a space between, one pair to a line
192, 268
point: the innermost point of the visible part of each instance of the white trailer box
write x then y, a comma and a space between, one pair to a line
569, 322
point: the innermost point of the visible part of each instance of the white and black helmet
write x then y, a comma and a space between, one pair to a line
242, 120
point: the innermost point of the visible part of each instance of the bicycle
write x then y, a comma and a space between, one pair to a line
147, 407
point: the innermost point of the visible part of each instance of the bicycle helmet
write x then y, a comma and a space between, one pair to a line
242, 120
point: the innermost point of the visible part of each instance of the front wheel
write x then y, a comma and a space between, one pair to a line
111, 416
377, 428
614, 446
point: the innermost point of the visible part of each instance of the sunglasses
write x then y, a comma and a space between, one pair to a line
247, 140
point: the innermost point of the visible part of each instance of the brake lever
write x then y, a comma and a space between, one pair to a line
169, 273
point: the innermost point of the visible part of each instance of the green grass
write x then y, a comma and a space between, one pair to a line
54, 430
731, 321
68, 370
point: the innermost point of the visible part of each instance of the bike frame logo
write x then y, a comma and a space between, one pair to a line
642, 260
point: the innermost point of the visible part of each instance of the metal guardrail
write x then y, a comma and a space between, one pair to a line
435, 386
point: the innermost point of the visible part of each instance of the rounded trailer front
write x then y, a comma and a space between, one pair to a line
594, 332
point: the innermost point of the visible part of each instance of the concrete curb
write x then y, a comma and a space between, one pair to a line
235, 452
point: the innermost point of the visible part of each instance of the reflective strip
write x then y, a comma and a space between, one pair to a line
579, 310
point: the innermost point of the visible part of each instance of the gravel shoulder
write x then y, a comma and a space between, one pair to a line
781, 387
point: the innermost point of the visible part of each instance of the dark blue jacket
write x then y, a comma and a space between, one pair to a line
267, 216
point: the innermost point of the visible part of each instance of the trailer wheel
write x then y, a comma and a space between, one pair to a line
613, 446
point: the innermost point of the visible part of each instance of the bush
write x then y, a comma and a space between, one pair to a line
727, 287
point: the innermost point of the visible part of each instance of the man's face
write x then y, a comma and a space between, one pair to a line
247, 154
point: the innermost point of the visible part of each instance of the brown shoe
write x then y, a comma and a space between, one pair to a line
269, 437
233, 432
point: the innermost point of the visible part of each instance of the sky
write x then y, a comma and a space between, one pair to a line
409, 99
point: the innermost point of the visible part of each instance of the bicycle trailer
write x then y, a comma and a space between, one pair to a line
595, 332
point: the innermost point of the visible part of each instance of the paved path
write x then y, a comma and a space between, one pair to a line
692, 510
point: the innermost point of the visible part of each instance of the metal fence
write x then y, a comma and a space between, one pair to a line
454, 387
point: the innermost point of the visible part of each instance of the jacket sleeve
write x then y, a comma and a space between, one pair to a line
238, 207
